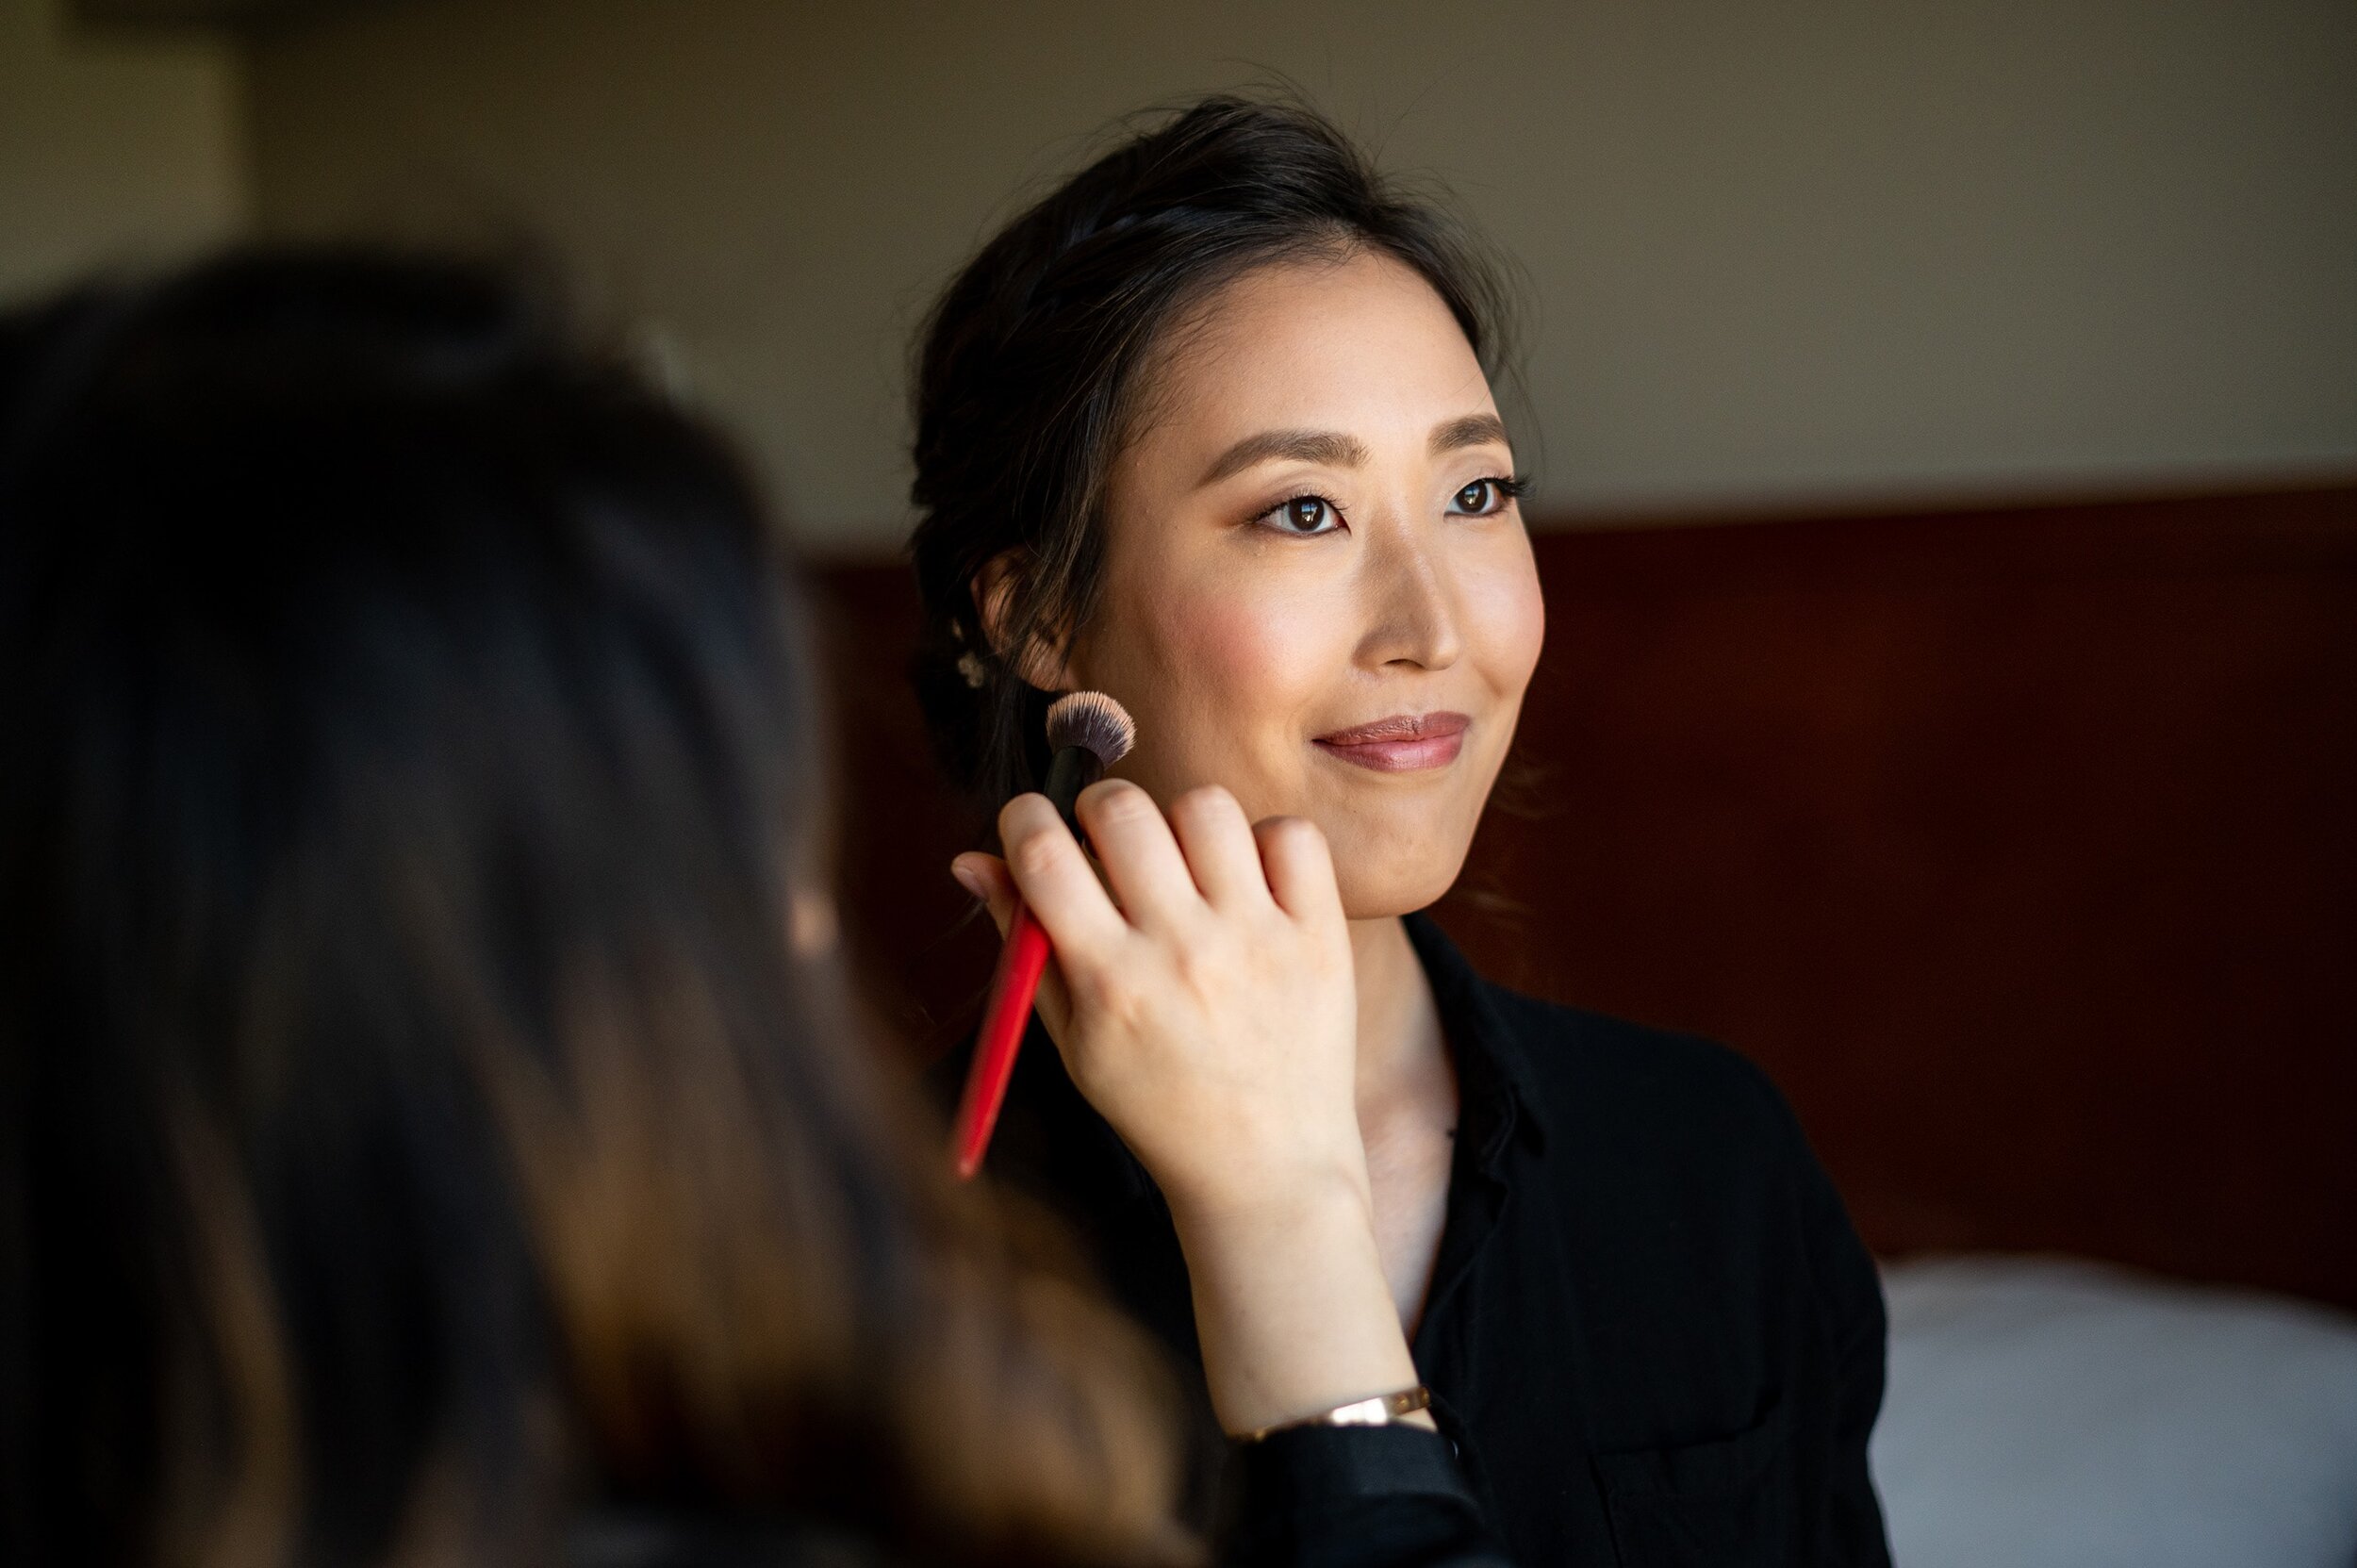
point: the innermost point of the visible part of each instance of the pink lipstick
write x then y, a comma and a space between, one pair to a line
1404, 743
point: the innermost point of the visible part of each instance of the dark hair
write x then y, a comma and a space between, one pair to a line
415, 1124
1032, 360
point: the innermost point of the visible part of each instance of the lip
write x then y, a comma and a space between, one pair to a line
1404, 743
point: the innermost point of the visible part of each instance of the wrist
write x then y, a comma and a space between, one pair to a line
1403, 1408
1318, 1195
1292, 1308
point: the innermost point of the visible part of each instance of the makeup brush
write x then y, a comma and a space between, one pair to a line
1088, 732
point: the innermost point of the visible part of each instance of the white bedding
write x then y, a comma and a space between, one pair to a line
2047, 1411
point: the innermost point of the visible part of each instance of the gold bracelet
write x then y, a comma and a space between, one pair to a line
1383, 1411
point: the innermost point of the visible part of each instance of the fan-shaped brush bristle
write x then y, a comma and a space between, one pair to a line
1093, 719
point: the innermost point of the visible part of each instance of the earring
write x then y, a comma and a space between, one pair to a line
971, 668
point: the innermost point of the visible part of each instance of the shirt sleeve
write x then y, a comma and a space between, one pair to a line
1356, 1498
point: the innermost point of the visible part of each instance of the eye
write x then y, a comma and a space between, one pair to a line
1303, 517
1485, 497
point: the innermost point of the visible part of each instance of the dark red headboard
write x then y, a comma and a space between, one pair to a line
2020, 846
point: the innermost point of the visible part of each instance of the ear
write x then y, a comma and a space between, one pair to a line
1047, 668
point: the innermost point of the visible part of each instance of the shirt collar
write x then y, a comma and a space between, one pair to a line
1492, 1073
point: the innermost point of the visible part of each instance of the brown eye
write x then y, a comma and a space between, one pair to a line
1486, 496
1305, 514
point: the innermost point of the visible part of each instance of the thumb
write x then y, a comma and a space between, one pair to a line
987, 879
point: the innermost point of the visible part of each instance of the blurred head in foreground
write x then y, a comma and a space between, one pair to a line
426, 1131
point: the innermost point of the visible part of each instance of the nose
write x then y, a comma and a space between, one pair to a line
1410, 605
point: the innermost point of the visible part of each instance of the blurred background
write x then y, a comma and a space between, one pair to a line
1945, 425
1785, 253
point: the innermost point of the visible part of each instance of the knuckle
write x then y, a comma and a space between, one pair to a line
1213, 949
1019, 816
1084, 982
1126, 1005
1034, 855
1122, 803
1205, 803
1193, 961
1292, 833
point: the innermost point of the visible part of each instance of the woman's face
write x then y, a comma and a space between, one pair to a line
1318, 589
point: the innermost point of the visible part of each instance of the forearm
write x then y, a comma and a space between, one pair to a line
1292, 1307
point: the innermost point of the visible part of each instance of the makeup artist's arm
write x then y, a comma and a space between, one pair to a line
1206, 1009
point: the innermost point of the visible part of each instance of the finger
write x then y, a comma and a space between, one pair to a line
1300, 868
1219, 847
1139, 853
986, 877
992, 884
1056, 882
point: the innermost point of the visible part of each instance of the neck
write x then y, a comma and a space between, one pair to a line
1400, 1025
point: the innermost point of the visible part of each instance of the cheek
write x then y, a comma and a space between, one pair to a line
1223, 675
1508, 616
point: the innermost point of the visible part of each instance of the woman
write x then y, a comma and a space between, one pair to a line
430, 1127
1210, 429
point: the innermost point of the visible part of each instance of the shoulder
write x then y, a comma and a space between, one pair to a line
1692, 1141
1588, 1071
1634, 1084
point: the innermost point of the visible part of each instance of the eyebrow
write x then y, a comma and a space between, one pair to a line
1472, 430
1306, 446
1337, 450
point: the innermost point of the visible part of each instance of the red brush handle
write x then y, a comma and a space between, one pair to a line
1020, 964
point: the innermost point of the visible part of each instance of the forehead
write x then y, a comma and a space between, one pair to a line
1360, 344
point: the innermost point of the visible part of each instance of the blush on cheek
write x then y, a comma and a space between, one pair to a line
1226, 676
1250, 659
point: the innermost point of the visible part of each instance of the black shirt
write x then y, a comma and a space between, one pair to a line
1652, 1336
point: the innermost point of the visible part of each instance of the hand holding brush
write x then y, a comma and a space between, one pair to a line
1208, 1012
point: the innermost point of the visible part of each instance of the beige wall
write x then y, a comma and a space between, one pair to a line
115, 148
1778, 253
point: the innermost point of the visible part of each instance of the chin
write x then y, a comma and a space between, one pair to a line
1374, 887
1399, 859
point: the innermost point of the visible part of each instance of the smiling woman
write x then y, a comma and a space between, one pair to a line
1211, 430
1313, 556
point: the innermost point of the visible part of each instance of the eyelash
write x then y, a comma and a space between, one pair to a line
1505, 488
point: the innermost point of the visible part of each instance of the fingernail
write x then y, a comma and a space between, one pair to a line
965, 879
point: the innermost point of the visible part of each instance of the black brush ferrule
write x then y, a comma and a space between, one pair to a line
1070, 771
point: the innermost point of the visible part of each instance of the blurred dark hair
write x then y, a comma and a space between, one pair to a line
416, 1127
1031, 369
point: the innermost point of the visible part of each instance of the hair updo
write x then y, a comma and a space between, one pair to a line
1029, 377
